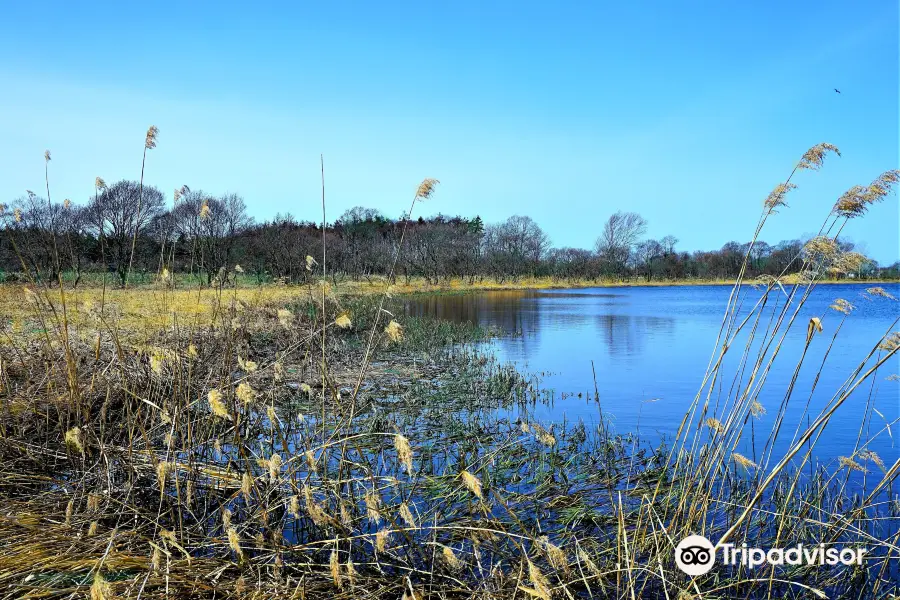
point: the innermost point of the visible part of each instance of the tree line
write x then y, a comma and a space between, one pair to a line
128, 228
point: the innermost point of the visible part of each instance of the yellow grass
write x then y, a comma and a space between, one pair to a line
419, 285
140, 312
136, 312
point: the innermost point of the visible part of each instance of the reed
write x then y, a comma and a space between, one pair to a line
306, 442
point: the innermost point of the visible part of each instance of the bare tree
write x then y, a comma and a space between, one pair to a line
668, 244
38, 229
620, 233
75, 239
211, 227
367, 241
645, 253
515, 246
119, 214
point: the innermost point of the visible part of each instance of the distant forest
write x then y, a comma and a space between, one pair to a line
125, 230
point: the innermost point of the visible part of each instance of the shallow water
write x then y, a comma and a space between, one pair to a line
650, 347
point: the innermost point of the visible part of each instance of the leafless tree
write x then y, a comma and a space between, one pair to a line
119, 214
645, 253
515, 247
668, 244
620, 233
38, 227
210, 227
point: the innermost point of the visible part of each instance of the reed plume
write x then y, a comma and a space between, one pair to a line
285, 318
373, 506
404, 453
555, 555
881, 187
382, 536
540, 583
343, 321
394, 331
776, 197
842, 306
852, 203
743, 461
150, 140
162, 470
214, 397
715, 424
73, 441
450, 559
426, 188
871, 455
472, 483
245, 392
335, 567
351, 570
890, 342
247, 485
880, 292
100, 588
234, 542
821, 248
406, 514
275, 463
814, 327
315, 511
849, 262
814, 157
848, 463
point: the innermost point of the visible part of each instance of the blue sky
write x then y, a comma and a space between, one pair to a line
687, 112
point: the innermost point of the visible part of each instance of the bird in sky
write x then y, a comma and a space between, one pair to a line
837, 90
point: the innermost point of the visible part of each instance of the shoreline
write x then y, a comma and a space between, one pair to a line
457, 287
453, 286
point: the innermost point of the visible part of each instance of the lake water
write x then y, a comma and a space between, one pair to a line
650, 347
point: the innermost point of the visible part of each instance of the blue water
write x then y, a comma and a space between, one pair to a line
650, 347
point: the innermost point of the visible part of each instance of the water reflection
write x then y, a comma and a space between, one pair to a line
505, 310
529, 316
626, 336
654, 344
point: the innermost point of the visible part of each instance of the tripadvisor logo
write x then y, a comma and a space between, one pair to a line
695, 555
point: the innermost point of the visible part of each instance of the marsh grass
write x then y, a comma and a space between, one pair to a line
303, 443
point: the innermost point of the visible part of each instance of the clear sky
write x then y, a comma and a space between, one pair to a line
686, 112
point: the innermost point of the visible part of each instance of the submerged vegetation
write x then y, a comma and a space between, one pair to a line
297, 442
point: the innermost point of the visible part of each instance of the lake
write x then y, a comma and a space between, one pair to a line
650, 347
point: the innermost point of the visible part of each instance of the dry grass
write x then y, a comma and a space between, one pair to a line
138, 313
